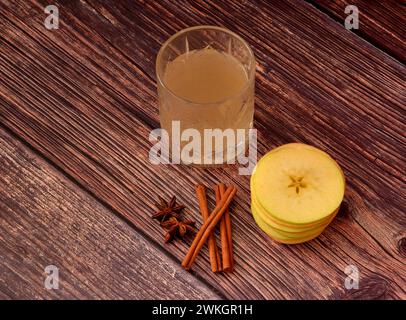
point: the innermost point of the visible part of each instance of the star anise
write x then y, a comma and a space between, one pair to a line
167, 209
175, 227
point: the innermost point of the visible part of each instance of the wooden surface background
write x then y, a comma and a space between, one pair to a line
382, 23
77, 189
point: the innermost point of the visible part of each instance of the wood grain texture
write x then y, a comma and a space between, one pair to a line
383, 23
46, 220
85, 97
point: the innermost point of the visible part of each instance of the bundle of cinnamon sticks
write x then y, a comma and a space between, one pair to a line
219, 215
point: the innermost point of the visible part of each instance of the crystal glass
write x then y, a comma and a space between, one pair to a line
205, 77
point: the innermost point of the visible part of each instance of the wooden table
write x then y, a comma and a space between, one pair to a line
77, 189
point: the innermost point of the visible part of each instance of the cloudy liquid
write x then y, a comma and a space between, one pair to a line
208, 89
205, 76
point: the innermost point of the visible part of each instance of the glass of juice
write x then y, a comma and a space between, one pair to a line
205, 77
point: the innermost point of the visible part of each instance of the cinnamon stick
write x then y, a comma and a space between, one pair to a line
215, 261
228, 262
208, 227
225, 253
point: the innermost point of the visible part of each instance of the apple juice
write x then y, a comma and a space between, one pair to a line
207, 89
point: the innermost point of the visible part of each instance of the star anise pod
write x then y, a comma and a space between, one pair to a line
174, 227
167, 209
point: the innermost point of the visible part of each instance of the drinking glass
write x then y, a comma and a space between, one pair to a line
230, 112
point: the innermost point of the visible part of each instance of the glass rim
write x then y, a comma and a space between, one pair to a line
177, 34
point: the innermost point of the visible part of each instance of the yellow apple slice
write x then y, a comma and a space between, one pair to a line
269, 219
298, 185
281, 234
298, 146
290, 231
275, 236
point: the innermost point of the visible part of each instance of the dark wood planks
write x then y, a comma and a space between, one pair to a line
45, 219
85, 97
383, 23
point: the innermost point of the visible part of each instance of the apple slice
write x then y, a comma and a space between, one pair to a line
271, 220
289, 231
298, 146
298, 185
280, 238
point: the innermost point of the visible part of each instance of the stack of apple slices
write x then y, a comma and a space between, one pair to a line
296, 191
